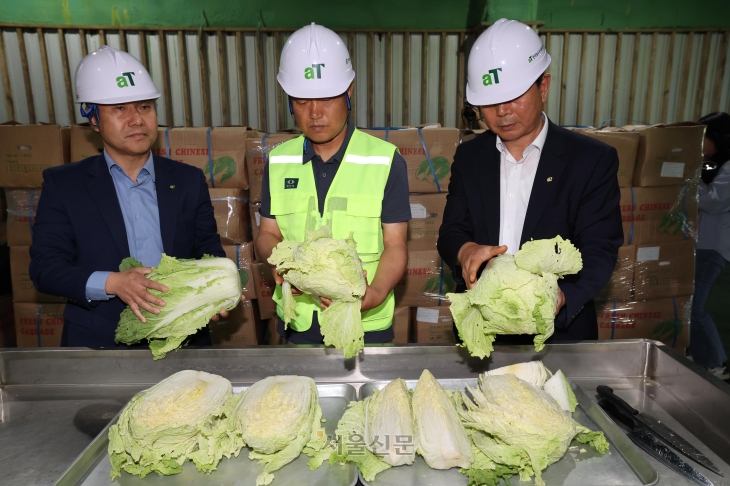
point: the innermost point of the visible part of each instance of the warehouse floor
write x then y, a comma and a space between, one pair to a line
717, 306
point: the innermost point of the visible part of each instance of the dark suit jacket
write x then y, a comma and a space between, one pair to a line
79, 229
575, 195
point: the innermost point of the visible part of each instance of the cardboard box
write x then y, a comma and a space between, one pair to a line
243, 256
39, 325
86, 142
402, 325
7, 322
441, 145
666, 320
228, 152
664, 270
658, 214
255, 219
427, 278
23, 290
668, 154
231, 215
427, 213
272, 337
27, 150
621, 285
434, 325
239, 329
626, 144
257, 153
265, 285
22, 206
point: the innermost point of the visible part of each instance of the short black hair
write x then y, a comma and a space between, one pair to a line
538, 81
718, 130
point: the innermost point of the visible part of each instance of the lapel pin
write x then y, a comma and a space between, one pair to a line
173, 187
550, 179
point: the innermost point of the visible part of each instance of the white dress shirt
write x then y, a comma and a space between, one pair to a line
515, 185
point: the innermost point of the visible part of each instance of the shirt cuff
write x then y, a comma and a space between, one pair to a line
95, 286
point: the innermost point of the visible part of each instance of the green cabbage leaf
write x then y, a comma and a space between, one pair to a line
323, 266
197, 291
515, 295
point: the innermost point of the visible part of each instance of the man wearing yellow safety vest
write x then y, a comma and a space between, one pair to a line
334, 175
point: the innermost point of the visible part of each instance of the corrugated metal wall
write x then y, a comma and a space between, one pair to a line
228, 77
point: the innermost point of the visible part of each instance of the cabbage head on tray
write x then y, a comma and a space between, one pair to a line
515, 295
323, 266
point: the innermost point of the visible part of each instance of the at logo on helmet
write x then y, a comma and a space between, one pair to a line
309, 72
122, 80
487, 78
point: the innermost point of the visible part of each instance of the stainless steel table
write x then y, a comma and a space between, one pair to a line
55, 401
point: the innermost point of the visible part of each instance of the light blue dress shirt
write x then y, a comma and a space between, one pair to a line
138, 201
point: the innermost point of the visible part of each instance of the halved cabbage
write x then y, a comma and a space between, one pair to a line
184, 417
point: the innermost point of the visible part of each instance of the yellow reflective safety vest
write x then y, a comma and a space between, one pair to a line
354, 204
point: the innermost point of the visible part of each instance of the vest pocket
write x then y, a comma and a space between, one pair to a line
362, 217
290, 213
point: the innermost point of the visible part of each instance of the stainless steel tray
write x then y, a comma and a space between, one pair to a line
92, 467
624, 465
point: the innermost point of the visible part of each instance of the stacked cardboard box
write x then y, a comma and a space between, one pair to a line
427, 278
654, 277
25, 152
258, 149
241, 328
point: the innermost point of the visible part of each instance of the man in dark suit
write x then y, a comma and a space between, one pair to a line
527, 179
125, 202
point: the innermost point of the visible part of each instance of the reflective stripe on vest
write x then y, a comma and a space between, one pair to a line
354, 203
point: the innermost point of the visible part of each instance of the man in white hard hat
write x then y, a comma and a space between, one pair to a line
527, 179
350, 181
125, 202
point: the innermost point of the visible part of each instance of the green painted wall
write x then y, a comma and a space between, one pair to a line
389, 14
623, 14
446, 14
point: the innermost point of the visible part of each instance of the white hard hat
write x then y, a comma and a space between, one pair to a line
315, 64
108, 76
505, 60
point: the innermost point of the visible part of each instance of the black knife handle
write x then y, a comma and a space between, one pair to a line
607, 393
619, 413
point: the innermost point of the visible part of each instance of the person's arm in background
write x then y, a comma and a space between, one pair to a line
598, 234
714, 197
207, 239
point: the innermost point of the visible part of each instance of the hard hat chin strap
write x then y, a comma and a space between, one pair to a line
91, 111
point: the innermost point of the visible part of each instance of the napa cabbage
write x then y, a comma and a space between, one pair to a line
520, 426
533, 372
442, 439
184, 417
279, 418
378, 432
323, 266
390, 417
559, 388
515, 295
197, 291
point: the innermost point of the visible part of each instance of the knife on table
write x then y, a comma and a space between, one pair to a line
665, 433
644, 438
